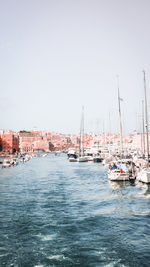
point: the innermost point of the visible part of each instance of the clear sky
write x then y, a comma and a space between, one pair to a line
57, 55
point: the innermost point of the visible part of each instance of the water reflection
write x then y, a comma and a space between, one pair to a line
118, 184
145, 189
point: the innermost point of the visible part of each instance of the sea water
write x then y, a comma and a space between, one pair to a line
57, 213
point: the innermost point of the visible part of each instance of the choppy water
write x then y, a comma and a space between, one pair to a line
57, 213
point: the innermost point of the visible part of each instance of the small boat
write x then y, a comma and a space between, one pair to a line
14, 161
97, 159
82, 159
44, 155
6, 163
72, 158
89, 158
118, 173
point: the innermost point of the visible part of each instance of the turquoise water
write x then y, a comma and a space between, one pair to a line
57, 213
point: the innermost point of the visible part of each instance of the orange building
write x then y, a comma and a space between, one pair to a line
9, 142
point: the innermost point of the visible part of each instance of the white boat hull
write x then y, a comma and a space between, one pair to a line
144, 176
5, 165
116, 176
72, 160
82, 159
7, 162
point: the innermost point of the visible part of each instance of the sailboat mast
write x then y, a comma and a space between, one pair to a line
121, 143
109, 129
104, 134
82, 133
82, 130
146, 118
143, 126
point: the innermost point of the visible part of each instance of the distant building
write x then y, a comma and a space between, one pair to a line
33, 141
9, 142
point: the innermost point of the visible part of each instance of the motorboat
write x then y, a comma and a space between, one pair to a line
97, 159
6, 163
118, 173
72, 156
14, 161
44, 155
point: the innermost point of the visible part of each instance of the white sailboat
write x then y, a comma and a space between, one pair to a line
82, 157
144, 174
119, 174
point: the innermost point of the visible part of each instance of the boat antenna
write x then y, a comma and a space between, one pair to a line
146, 117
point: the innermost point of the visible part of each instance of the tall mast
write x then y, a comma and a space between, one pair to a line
82, 133
83, 130
143, 126
121, 143
146, 118
109, 129
104, 134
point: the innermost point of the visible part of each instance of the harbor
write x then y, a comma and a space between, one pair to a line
59, 213
86, 204
74, 133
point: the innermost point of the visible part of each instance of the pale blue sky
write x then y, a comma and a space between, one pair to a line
57, 55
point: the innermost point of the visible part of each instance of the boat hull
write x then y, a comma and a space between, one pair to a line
82, 159
144, 176
113, 176
97, 160
72, 160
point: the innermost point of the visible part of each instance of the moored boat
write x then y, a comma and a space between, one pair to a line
97, 159
72, 159
72, 155
118, 172
144, 176
6, 162
117, 175
82, 159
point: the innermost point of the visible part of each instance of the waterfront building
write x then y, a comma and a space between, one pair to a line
9, 142
32, 141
